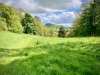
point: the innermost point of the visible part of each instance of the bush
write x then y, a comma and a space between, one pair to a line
16, 27
3, 25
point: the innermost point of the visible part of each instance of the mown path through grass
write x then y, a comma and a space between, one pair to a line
10, 45
22, 44
8, 54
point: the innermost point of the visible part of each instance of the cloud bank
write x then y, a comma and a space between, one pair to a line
63, 18
42, 7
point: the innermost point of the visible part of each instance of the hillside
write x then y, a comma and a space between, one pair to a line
22, 54
56, 27
50, 25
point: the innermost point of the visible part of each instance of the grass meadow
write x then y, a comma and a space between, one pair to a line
22, 54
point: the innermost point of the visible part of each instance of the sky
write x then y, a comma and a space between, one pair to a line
59, 12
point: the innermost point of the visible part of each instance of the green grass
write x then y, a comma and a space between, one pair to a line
22, 54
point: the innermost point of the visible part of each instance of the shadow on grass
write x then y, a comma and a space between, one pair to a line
2, 67
59, 59
8, 52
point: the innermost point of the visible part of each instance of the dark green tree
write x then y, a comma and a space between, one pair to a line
88, 23
62, 32
29, 24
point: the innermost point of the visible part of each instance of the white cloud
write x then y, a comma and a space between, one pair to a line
42, 6
65, 18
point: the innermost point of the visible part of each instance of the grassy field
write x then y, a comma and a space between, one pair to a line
22, 54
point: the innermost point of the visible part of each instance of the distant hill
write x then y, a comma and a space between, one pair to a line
56, 27
50, 25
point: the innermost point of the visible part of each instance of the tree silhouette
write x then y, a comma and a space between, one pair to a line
62, 32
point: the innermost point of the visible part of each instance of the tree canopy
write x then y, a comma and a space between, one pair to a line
12, 21
88, 23
29, 24
62, 32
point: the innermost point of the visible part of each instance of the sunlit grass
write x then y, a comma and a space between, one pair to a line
22, 54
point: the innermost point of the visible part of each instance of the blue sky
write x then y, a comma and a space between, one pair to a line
50, 11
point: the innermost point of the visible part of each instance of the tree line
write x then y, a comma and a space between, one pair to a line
19, 21
88, 21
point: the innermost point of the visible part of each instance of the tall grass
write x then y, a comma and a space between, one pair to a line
49, 56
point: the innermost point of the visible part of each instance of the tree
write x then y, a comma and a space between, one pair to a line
11, 18
88, 23
29, 24
3, 24
39, 25
51, 32
62, 32
20, 13
42, 30
16, 26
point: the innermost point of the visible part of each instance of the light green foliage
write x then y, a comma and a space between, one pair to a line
39, 26
22, 54
20, 13
8, 13
41, 29
3, 25
52, 32
46, 31
16, 27
12, 20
